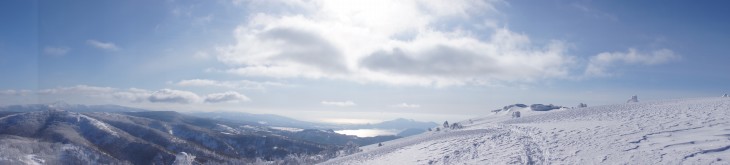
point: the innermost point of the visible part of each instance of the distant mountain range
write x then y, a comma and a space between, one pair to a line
263, 119
281, 121
238, 117
60, 133
397, 124
153, 137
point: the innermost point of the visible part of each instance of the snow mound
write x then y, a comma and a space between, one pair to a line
685, 131
633, 99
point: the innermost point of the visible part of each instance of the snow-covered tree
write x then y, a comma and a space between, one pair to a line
582, 105
446, 124
350, 148
456, 126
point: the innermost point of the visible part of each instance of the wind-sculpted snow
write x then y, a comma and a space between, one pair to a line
682, 131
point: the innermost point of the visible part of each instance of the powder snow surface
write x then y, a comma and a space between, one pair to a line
686, 131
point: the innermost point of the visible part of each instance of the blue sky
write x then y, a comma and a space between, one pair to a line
360, 61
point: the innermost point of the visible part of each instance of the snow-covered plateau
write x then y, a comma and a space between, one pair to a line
681, 131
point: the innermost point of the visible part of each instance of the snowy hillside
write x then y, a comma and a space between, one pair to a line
686, 131
149, 137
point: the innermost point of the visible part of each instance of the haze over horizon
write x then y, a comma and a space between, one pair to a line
360, 61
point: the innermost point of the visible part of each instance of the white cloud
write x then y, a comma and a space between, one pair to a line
406, 105
339, 103
241, 84
56, 51
134, 94
103, 45
394, 42
230, 96
599, 64
173, 96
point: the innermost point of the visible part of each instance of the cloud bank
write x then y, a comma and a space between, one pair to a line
411, 42
137, 95
173, 96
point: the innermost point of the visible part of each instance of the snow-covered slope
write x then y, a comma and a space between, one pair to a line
149, 137
686, 131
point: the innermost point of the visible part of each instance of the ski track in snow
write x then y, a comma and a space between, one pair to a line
682, 131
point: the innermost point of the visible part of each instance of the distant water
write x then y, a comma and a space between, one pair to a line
368, 132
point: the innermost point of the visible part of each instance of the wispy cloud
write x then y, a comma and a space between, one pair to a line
600, 64
241, 84
406, 105
230, 96
339, 103
102, 45
593, 12
56, 51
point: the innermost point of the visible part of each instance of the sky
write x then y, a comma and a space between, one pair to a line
360, 61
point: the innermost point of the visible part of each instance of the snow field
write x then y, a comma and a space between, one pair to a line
681, 131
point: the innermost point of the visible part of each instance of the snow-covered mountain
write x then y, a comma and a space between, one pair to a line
684, 131
142, 138
50, 135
